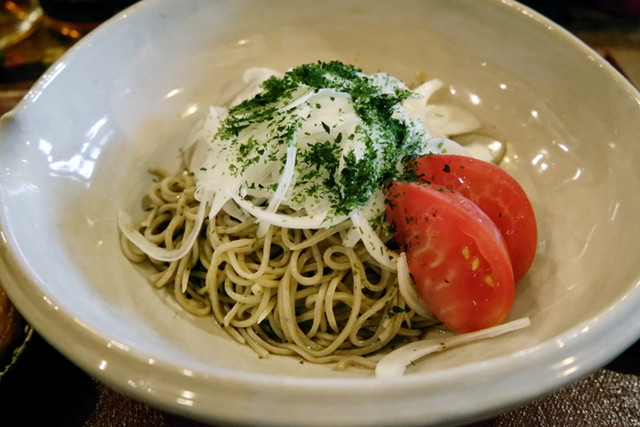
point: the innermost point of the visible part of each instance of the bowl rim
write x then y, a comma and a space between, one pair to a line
547, 367
568, 357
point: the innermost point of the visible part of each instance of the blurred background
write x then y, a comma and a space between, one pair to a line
35, 33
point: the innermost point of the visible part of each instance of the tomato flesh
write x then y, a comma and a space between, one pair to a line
456, 255
496, 192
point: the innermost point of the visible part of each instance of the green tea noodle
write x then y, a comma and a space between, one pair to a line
290, 292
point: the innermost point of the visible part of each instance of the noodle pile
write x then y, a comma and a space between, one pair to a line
289, 292
294, 257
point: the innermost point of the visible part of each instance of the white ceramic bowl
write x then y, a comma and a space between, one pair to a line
78, 146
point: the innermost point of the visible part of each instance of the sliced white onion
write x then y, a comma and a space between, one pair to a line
351, 238
161, 254
231, 209
395, 363
408, 290
297, 222
376, 247
370, 209
483, 147
427, 89
253, 77
200, 141
283, 185
447, 120
217, 202
442, 120
444, 145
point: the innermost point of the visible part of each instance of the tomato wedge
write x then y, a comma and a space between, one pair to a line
496, 192
456, 255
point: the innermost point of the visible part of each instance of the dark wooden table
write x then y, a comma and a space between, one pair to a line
44, 388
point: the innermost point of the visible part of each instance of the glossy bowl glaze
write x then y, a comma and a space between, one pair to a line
78, 146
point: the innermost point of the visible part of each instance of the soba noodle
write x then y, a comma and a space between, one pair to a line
289, 292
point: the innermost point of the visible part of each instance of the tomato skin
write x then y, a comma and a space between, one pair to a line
456, 255
497, 193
